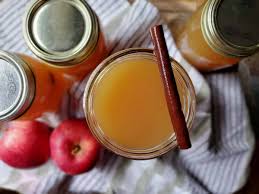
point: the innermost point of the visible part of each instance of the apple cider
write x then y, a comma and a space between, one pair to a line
125, 105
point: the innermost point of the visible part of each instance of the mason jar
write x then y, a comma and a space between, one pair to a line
28, 88
220, 33
66, 34
125, 105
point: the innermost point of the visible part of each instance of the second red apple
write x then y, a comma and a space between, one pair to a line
73, 148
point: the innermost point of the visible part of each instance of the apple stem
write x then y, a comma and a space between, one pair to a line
76, 149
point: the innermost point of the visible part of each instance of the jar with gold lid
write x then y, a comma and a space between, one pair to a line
220, 33
66, 34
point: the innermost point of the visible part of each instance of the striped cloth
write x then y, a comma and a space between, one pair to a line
222, 139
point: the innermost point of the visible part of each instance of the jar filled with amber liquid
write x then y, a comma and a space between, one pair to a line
28, 88
220, 33
125, 105
66, 35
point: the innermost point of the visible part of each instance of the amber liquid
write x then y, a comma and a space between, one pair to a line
195, 49
50, 89
52, 81
130, 106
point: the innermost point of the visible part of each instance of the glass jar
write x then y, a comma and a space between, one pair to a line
220, 33
125, 105
66, 35
30, 88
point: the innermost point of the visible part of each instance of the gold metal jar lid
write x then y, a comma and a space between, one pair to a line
230, 27
17, 86
63, 32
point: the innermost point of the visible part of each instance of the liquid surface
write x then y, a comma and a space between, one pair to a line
130, 106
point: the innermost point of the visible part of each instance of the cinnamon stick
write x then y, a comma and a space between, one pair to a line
170, 88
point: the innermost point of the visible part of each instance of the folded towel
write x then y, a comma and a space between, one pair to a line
221, 136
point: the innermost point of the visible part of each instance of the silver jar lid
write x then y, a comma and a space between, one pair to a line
63, 32
17, 86
230, 27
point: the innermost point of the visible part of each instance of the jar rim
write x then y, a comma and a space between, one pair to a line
148, 153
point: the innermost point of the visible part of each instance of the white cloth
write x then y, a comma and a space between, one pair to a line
221, 136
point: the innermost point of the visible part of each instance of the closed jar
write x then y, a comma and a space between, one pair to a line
220, 33
28, 88
66, 34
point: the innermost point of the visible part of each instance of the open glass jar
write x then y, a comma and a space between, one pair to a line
125, 105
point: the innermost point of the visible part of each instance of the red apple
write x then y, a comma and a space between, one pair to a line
73, 148
25, 144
